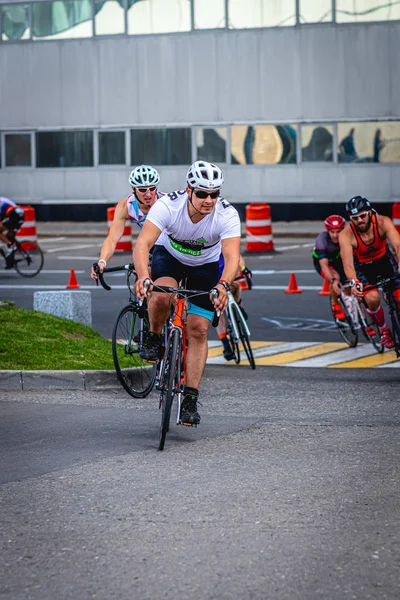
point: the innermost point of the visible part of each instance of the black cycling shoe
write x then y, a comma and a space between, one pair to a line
189, 412
228, 355
150, 350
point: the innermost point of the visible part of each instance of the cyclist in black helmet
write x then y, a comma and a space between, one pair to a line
366, 256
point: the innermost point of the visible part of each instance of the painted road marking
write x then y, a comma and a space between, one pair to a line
69, 248
309, 354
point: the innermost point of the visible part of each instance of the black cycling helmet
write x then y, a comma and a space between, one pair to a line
15, 218
357, 204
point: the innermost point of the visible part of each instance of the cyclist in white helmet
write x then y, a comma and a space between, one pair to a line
189, 228
144, 181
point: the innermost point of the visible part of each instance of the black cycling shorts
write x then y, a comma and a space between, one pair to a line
335, 264
384, 267
201, 277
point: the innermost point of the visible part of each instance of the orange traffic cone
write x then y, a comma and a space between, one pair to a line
325, 289
73, 282
292, 287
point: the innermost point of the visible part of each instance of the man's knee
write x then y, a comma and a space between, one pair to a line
198, 332
373, 300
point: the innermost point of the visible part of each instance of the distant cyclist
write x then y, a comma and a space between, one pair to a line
327, 259
144, 181
366, 256
237, 294
11, 219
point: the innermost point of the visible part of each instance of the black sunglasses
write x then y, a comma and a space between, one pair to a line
203, 195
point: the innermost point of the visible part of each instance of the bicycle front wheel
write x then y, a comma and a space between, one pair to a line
346, 326
243, 336
28, 259
370, 329
169, 380
136, 377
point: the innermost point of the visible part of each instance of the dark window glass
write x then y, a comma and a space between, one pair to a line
161, 146
64, 149
18, 150
263, 144
111, 148
211, 144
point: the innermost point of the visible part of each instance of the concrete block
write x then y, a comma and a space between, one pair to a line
75, 305
97, 380
52, 380
10, 380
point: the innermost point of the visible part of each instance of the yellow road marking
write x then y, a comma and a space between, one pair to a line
293, 355
369, 361
217, 351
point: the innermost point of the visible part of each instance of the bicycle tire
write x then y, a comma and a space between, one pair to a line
233, 345
28, 260
167, 385
394, 316
135, 377
346, 327
367, 324
244, 338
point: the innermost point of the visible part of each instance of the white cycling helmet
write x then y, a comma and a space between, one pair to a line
145, 175
204, 175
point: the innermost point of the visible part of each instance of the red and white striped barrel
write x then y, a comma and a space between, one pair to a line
396, 215
258, 228
125, 243
28, 228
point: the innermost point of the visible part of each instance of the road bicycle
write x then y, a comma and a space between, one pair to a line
356, 319
237, 331
26, 257
136, 376
171, 368
386, 285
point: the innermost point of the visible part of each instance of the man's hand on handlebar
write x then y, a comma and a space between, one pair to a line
357, 289
336, 286
221, 301
97, 267
142, 287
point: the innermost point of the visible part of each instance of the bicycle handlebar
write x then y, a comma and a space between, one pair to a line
100, 274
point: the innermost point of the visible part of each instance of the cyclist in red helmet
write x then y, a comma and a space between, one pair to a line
327, 260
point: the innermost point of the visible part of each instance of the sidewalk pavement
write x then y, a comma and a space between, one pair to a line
280, 229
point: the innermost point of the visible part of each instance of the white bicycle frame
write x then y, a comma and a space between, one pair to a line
238, 312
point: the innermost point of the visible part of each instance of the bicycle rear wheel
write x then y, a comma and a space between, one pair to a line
135, 376
346, 326
368, 326
28, 259
244, 338
169, 379
233, 345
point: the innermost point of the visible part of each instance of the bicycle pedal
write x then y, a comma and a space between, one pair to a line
187, 424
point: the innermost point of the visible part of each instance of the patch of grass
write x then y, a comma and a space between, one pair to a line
35, 340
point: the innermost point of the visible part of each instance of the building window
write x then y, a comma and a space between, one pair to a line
161, 146
62, 19
261, 13
316, 143
159, 16
110, 17
18, 149
211, 144
14, 22
111, 147
350, 11
209, 14
263, 144
315, 12
64, 149
369, 142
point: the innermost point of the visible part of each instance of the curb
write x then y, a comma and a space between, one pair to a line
84, 381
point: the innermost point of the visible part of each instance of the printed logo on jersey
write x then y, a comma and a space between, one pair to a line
192, 247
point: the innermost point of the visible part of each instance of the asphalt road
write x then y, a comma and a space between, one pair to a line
288, 489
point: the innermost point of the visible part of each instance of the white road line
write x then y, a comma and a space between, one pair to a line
80, 247
284, 287
273, 271
55, 239
393, 365
336, 357
57, 287
88, 258
267, 351
62, 271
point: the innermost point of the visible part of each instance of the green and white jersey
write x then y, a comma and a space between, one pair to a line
193, 243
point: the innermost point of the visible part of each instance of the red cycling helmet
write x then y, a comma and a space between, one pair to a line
334, 222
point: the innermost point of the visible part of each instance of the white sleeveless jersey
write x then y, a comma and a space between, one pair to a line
135, 213
193, 243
